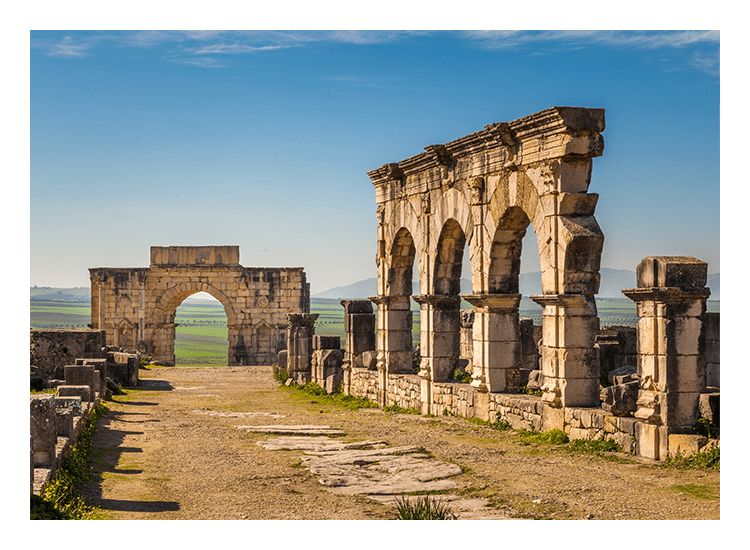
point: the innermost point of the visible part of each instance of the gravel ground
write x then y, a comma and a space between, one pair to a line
172, 450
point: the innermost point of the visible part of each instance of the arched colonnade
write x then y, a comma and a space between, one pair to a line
483, 191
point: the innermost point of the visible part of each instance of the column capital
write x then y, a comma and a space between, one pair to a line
440, 301
666, 294
493, 302
301, 319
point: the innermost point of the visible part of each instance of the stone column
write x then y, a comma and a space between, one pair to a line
394, 322
163, 341
570, 363
300, 332
671, 302
440, 341
497, 342
359, 326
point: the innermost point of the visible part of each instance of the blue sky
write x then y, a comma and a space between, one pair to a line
264, 139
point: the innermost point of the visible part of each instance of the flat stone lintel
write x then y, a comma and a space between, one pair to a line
438, 300
492, 302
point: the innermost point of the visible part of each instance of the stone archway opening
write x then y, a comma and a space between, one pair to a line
201, 332
138, 305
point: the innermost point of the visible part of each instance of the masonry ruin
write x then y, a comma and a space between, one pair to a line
137, 306
483, 191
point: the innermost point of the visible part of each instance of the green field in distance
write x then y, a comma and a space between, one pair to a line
201, 335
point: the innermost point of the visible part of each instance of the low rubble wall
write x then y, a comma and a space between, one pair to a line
52, 349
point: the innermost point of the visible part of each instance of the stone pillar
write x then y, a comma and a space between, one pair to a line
671, 303
497, 342
570, 363
359, 326
141, 345
43, 429
163, 335
300, 332
713, 360
395, 350
467, 339
440, 341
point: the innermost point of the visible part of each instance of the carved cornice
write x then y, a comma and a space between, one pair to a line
544, 124
666, 294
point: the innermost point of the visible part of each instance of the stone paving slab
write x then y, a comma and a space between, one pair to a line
351, 470
229, 414
316, 444
293, 430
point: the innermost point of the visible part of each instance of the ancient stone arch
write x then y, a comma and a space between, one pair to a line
137, 306
483, 191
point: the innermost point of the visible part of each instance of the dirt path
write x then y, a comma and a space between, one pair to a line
172, 450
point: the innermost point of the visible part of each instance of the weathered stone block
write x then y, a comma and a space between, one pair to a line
64, 422
326, 342
79, 375
621, 399
579, 392
685, 444
708, 407
683, 272
679, 409
72, 402
682, 373
84, 392
43, 429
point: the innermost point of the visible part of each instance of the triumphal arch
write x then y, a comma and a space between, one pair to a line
483, 191
136, 306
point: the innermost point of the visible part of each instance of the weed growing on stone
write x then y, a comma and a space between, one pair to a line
523, 389
395, 409
552, 437
709, 459
280, 375
63, 492
423, 508
336, 399
698, 491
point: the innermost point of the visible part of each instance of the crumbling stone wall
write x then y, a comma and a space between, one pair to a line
137, 306
51, 350
483, 191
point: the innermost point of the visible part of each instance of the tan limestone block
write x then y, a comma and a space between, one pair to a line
579, 392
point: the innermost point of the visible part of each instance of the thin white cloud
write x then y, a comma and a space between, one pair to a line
612, 38
706, 62
189, 47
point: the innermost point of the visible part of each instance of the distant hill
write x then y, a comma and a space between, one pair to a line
57, 294
611, 285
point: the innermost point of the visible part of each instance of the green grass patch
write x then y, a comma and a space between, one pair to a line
707, 492
426, 507
710, 459
551, 437
337, 399
395, 409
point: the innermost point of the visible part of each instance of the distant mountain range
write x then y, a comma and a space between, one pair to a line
611, 285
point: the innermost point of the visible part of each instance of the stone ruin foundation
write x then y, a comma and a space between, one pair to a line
137, 306
80, 383
483, 191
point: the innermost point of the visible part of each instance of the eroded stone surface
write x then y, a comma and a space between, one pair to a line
293, 430
230, 414
350, 469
